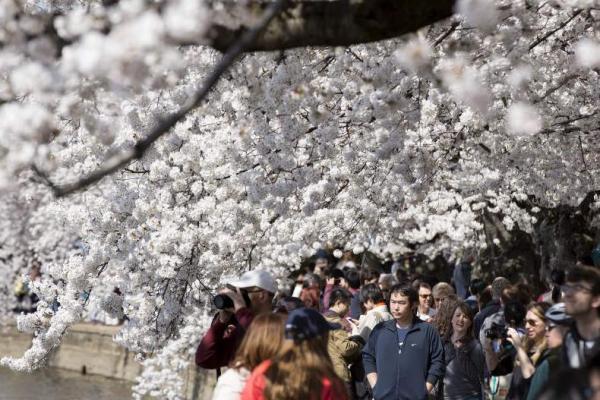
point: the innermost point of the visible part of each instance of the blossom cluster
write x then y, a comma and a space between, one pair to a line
380, 145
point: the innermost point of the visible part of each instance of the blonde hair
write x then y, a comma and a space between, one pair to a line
299, 370
261, 342
538, 309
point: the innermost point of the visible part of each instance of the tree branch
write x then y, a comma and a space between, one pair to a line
329, 23
240, 45
552, 32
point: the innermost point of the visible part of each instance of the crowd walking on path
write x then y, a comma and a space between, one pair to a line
352, 333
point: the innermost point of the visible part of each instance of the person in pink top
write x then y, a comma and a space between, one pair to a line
302, 369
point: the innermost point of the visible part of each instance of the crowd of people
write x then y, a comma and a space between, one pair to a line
346, 332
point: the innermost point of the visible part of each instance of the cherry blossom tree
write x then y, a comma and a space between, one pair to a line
136, 154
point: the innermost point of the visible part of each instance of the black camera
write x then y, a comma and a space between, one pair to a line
497, 331
222, 301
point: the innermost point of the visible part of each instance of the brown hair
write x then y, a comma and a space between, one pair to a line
442, 320
299, 370
261, 342
468, 312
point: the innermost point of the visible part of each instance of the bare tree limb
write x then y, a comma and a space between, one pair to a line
165, 124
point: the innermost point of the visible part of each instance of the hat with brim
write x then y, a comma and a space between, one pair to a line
306, 323
257, 278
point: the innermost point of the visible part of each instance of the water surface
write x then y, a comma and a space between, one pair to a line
55, 384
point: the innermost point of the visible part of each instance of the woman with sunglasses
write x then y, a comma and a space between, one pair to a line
529, 349
558, 323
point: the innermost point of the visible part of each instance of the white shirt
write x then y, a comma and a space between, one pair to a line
367, 322
231, 384
426, 317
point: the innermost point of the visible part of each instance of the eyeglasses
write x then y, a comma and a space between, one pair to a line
576, 287
424, 296
532, 322
550, 327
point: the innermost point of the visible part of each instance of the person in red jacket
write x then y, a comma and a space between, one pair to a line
252, 294
302, 369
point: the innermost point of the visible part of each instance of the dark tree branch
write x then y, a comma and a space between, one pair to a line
329, 23
552, 32
119, 161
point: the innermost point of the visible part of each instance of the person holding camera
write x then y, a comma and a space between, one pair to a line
499, 352
238, 303
528, 349
550, 362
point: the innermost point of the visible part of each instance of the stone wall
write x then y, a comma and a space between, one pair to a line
89, 348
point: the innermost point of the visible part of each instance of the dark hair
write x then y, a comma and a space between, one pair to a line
335, 273
401, 276
582, 273
371, 292
421, 284
514, 313
369, 274
340, 294
468, 312
485, 296
405, 290
353, 278
476, 286
518, 293
288, 303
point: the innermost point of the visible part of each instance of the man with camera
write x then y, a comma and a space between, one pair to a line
238, 304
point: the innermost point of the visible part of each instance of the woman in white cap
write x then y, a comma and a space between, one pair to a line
302, 369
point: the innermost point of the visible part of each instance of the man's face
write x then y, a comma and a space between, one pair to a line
578, 298
400, 307
424, 298
257, 296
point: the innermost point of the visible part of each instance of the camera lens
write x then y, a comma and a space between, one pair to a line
222, 301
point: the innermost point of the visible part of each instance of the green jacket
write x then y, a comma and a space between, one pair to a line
342, 351
546, 367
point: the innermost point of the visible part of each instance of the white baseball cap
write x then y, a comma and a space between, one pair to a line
257, 278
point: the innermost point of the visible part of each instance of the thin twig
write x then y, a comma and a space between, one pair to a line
553, 89
165, 124
585, 166
552, 32
446, 34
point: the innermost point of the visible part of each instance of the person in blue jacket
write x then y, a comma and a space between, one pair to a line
404, 357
